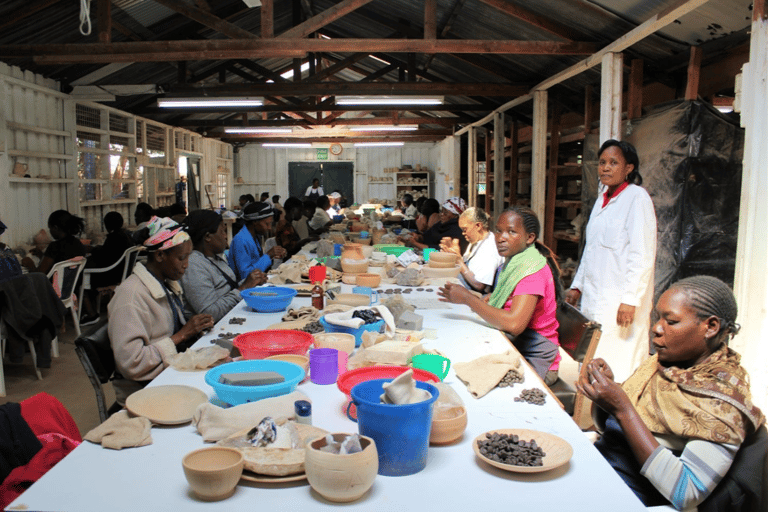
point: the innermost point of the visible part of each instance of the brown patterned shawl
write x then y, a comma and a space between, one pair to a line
709, 401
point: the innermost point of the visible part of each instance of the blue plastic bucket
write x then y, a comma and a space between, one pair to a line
401, 432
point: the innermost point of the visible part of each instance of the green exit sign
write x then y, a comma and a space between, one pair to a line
322, 154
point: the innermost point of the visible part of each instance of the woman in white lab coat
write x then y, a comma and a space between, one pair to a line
615, 277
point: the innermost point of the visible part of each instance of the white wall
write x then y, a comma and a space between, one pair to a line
266, 169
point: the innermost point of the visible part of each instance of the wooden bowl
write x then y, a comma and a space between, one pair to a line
558, 451
341, 478
213, 473
371, 280
448, 430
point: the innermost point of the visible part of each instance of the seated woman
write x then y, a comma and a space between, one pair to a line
320, 221
209, 284
246, 253
64, 228
481, 258
427, 218
408, 211
9, 263
146, 315
524, 303
676, 424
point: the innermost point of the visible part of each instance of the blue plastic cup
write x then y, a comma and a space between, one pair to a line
337, 249
401, 432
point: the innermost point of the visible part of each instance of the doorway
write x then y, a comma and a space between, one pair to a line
332, 175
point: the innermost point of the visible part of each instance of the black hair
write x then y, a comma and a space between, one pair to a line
315, 180
630, 155
275, 198
177, 209
323, 202
532, 225
291, 203
264, 195
407, 199
113, 221
248, 197
709, 296
430, 207
201, 222
144, 212
420, 202
66, 222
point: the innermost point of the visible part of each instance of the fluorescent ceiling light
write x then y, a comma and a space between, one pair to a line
376, 128
258, 130
209, 102
377, 144
286, 145
389, 100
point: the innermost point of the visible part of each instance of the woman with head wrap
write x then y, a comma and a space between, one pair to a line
209, 284
447, 227
146, 315
245, 252
674, 427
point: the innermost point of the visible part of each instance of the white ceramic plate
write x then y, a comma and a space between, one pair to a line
557, 451
166, 405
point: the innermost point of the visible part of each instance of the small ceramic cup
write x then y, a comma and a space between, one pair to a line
367, 290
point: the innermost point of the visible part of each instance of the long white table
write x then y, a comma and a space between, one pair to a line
92, 478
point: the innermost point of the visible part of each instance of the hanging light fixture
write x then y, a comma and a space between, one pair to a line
382, 128
389, 100
206, 102
257, 130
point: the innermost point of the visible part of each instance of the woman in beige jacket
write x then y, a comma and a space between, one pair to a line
146, 315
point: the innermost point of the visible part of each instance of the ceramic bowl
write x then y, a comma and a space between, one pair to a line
367, 250
440, 272
341, 478
442, 257
448, 430
361, 241
371, 280
351, 299
440, 264
349, 278
354, 266
213, 473
302, 361
338, 340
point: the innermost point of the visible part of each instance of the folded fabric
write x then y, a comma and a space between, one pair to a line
215, 423
191, 360
288, 272
484, 373
345, 319
305, 313
121, 431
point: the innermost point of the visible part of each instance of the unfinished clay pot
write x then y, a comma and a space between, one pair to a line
341, 478
352, 259
213, 472
447, 430
372, 280
442, 257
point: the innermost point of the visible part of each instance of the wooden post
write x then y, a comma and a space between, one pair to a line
498, 164
588, 109
694, 70
539, 155
488, 169
267, 20
514, 154
610, 97
554, 147
472, 166
751, 280
635, 92
104, 20
430, 19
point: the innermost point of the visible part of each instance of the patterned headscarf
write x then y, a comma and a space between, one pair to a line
258, 211
455, 205
164, 233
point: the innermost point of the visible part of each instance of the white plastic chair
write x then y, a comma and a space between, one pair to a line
127, 260
32, 351
64, 276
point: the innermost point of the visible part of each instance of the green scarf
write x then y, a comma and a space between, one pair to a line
521, 265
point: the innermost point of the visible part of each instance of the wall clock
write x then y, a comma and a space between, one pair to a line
336, 149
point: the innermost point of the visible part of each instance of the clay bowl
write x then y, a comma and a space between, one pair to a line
300, 360
448, 430
341, 478
440, 264
371, 280
338, 340
367, 250
361, 241
354, 266
440, 272
213, 473
442, 257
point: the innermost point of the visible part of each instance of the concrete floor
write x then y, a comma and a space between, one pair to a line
65, 380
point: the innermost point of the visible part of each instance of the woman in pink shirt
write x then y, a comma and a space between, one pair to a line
524, 302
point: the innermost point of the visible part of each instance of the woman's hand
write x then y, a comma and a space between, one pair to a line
454, 293
448, 244
193, 327
572, 296
277, 252
255, 278
598, 385
625, 315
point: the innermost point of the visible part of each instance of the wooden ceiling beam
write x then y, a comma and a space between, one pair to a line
27, 10
206, 18
339, 66
216, 49
155, 111
534, 19
365, 121
326, 17
354, 88
231, 137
